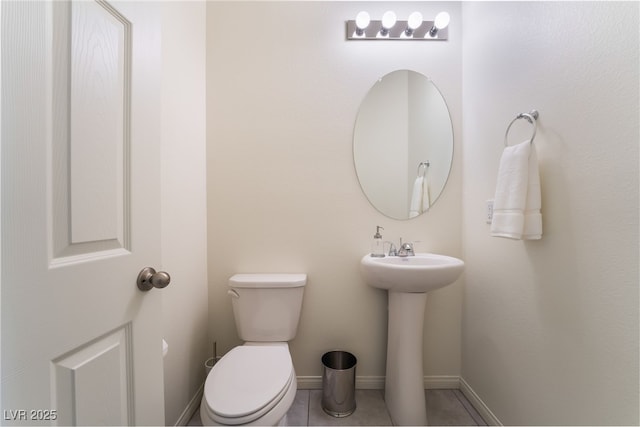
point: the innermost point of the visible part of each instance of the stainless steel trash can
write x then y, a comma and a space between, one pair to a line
339, 383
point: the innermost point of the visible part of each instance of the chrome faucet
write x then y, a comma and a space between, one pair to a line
406, 249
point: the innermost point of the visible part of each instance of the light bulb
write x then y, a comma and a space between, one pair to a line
388, 21
441, 21
362, 21
414, 21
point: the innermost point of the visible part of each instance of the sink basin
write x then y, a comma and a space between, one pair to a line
423, 272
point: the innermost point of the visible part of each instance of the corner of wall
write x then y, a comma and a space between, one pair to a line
184, 220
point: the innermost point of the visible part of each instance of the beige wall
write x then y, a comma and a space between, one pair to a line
283, 90
550, 330
184, 250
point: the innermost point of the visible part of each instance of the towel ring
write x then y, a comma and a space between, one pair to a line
426, 165
531, 117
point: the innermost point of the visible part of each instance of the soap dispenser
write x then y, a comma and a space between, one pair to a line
377, 246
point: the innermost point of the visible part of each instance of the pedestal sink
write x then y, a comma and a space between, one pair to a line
408, 279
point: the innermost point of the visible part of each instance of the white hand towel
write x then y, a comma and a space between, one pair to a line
415, 208
426, 199
516, 207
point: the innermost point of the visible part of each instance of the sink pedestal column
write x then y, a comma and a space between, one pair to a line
404, 383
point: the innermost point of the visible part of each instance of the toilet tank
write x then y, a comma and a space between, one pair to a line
267, 307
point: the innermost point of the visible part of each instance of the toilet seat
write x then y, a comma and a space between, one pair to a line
248, 382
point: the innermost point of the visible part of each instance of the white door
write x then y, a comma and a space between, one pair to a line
81, 344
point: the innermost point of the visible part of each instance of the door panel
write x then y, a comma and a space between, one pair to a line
104, 361
92, 129
99, 77
80, 213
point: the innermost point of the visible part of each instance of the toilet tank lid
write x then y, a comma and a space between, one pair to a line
268, 280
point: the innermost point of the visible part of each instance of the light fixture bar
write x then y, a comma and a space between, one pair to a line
397, 32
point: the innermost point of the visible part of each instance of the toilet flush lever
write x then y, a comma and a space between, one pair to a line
149, 279
233, 293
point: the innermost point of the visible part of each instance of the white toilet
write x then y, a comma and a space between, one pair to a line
255, 383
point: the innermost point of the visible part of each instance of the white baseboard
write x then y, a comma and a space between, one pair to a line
191, 408
377, 382
309, 382
478, 404
314, 382
434, 382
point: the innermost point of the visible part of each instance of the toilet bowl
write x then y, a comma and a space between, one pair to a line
255, 383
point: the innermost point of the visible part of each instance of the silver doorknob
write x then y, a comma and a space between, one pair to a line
149, 279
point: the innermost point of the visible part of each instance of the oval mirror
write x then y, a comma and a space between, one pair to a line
403, 144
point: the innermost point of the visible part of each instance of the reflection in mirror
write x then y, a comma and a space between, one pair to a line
403, 144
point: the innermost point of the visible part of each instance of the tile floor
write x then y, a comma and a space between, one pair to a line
444, 408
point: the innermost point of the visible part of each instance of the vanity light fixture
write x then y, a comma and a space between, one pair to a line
389, 28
